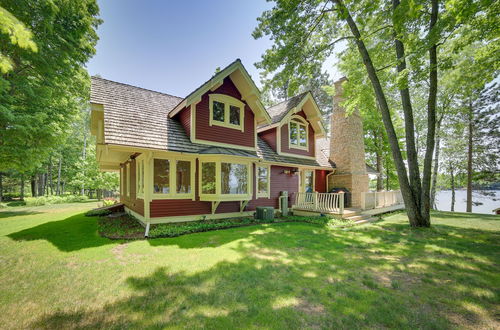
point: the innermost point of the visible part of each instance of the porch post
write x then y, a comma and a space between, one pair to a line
148, 185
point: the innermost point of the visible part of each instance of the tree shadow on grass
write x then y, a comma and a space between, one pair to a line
74, 233
298, 276
8, 214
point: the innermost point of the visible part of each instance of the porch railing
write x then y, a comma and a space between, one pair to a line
320, 202
378, 199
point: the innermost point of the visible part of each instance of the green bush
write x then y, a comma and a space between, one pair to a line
49, 200
97, 213
109, 201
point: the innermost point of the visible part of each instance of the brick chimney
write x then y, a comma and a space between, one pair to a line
347, 149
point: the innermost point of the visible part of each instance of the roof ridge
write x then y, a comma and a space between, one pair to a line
288, 99
146, 89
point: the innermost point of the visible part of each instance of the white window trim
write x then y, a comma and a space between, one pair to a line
219, 196
228, 101
268, 193
299, 121
173, 178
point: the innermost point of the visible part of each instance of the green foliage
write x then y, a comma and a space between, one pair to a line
44, 90
98, 213
109, 202
49, 200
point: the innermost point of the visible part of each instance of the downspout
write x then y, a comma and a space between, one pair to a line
327, 176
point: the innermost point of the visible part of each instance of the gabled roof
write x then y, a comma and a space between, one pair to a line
138, 117
282, 111
246, 86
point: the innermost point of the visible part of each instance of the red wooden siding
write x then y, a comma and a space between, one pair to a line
270, 137
136, 205
320, 180
224, 134
185, 119
186, 207
284, 140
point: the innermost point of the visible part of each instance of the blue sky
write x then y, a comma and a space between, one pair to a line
174, 46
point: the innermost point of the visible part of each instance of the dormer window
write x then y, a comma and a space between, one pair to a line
298, 128
226, 111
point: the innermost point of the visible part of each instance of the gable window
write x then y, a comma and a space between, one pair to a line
226, 111
173, 178
263, 181
298, 131
225, 180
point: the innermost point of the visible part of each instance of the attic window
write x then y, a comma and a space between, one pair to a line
226, 111
298, 133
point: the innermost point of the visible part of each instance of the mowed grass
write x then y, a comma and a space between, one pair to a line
56, 272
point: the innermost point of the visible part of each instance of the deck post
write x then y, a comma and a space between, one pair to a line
341, 203
148, 187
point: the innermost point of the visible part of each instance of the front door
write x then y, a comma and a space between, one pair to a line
306, 181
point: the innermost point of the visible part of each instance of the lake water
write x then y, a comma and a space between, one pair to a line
489, 203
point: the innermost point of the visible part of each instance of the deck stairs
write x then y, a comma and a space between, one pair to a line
358, 216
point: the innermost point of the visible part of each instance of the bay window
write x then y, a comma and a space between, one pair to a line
225, 180
226, 111
298, 135
263, 181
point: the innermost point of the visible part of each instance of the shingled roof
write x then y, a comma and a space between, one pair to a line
279, 111
138, 117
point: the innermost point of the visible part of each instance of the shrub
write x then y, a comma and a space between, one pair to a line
109, 201
97, 213
49, 200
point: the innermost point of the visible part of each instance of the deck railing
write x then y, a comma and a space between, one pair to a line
378, 199
320, 202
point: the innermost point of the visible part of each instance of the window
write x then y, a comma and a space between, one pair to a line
308, 181
298, 133
127, 173
234, 178
140, 177
173, 178
161, 176
224, 181
208, 178
263, 181
183, 177
226, 111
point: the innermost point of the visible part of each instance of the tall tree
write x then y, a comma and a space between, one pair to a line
304, 32
46, 80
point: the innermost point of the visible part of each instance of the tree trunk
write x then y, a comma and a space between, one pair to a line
21, 195
412, 208
452, 188
49, 173
436, 163
431, 118
40, 184
33, 186
469, 160
411, 151
58, 191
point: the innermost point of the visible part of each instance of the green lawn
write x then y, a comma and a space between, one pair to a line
56, 272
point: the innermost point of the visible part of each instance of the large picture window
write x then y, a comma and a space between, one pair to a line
263, 181
298, 133
173, 178
234, 178
225, 181
226, 111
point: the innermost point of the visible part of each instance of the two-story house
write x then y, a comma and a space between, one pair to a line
216, 153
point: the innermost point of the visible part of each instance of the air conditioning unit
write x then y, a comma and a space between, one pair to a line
264, 213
